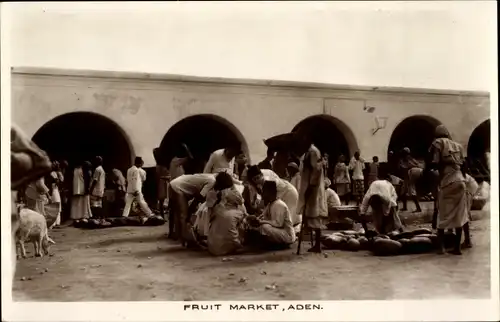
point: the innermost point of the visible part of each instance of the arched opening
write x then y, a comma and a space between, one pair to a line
203, 134
478, 145
415, 132
81, 136
479, 141
330, 136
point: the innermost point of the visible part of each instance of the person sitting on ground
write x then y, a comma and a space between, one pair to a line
223, 182
226, 218
275, 224
382, 198
332, 198
286, 191
333, 201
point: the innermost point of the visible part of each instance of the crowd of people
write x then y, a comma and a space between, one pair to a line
80, 193
232, 206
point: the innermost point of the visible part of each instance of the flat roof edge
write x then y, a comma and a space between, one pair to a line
47, 71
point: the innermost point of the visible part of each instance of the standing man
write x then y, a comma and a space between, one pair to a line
223, 160
447, 156
326, 166
312, 196
411, 171
162, 179
179, 161
135, 178
64, 188
357, 166
373, 170
240, 165
97, 188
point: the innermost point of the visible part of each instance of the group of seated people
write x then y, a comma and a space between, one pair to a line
211, 212
226, 216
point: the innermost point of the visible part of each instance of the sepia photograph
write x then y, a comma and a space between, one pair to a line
242, 158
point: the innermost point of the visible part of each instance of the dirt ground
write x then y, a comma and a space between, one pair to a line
140, 264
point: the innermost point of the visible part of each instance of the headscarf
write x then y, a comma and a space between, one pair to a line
231, 198
442, 132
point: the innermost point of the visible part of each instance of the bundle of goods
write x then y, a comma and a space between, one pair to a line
481, 197
119, 221
410, 242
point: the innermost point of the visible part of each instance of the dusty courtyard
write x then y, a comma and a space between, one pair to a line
140, 264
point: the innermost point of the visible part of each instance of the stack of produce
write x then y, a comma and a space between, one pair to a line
410, 242
346, 240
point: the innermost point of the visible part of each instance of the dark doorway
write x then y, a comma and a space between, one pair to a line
479, 141
328, 137
203, 134
416, 133
81, 136
478, 145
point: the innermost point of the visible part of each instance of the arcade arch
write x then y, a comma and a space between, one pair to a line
415, 132
479, 141
80, 136
330, 135
203, 134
